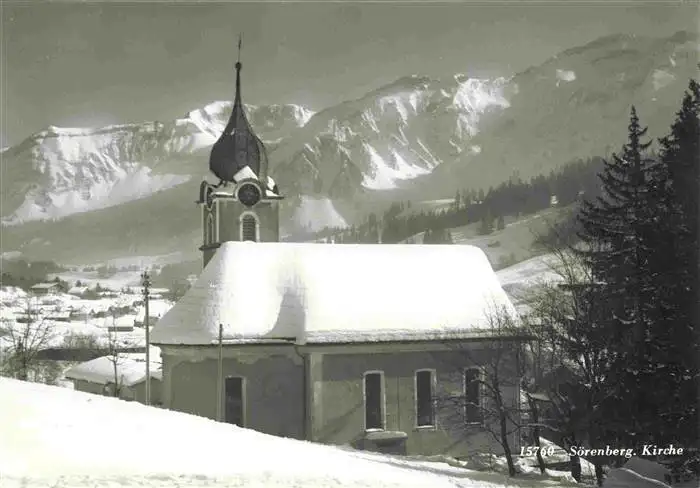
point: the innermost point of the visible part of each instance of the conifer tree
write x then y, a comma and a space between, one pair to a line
617, 243
486, 226
675, 270
500, 223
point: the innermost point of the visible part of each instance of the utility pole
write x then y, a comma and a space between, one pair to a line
219, 379
146, 282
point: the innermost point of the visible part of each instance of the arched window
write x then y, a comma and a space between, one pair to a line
249, 228
209, 230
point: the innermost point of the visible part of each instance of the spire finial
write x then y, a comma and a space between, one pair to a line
240, 43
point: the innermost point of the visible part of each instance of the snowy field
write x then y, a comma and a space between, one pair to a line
60, 438
519, 279
14, 303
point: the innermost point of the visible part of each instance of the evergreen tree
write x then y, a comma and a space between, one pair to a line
448, 237
616, 233
675, 267
500, 223
486, 226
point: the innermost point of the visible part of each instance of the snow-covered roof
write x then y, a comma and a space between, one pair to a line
316, 293
78, 290
156, 308
244, 174
131, 368
44, 286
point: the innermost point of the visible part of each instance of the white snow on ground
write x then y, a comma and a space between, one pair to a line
565, 75
317, 213
662, 78
519, 279
384, 176
14, 303
126, 184
51, 436
131, 368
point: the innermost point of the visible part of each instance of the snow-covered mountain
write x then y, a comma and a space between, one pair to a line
576, 105
60, 171
393, 134
130, 188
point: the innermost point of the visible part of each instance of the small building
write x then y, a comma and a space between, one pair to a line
78, 291
41, 289
79, 313
98, 376
156, 309
119, 324
59, 316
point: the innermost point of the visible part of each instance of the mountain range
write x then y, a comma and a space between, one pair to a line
87, 195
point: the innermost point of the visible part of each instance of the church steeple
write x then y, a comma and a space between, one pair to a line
238, 147
244, 205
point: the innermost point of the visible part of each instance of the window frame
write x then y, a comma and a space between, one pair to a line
480, 403
433, 389
244, 400
241, 220
382, 396
209, 229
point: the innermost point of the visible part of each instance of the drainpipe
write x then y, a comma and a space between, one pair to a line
219, 376
398, 404
305, 388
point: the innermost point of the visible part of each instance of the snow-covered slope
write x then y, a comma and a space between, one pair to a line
577, 105
57, 437
519, 279
393, 134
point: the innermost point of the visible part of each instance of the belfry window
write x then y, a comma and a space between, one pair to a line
249, 228
209, 236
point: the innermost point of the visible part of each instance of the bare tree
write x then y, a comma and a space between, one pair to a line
572, 363
77, 340
488, 375
117, 358
22, 342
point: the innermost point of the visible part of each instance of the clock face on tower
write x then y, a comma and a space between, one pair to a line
248, 194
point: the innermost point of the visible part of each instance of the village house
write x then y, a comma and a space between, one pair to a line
124, 323
78, 291
124, 373
41, 289
332, 343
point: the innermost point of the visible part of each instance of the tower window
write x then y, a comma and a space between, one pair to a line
249, 228
209, 230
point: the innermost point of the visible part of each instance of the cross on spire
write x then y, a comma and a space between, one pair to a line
240, 42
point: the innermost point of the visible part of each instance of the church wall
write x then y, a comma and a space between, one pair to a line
139, 391
339, 413
274, 388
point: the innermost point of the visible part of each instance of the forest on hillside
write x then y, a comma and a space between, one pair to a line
489, 208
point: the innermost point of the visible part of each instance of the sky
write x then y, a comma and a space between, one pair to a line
89, 64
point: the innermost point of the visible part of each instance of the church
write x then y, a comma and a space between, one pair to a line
333, 343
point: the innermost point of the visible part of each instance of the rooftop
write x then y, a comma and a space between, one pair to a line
316, 293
